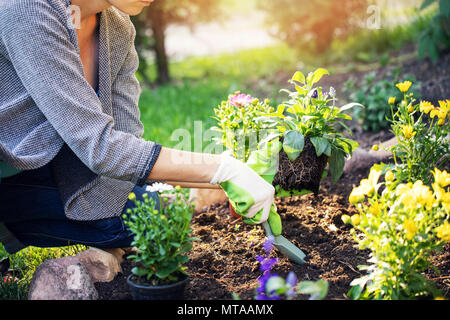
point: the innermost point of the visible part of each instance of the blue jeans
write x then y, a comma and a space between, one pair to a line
31, 209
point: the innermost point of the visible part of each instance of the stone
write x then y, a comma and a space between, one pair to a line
62, 279
118, 253
204, 198
101, 265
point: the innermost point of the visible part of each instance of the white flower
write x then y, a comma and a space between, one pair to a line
159, 187
332, 92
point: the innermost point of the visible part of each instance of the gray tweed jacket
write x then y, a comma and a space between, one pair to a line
50, 114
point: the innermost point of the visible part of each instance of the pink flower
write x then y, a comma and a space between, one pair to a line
241, 100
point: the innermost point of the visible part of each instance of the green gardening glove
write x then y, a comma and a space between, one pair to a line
251, 196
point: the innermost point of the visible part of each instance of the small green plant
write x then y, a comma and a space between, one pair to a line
311, 112
236, 122
422, 131
437, 33
372, 94
402, 227
162, 237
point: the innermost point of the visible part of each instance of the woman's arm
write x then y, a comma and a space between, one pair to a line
183, 166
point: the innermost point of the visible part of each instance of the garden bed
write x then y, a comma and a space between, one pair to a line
225, 260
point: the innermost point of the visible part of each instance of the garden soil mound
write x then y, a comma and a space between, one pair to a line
224, 261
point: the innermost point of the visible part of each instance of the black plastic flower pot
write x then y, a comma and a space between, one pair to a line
142, 291
305, 172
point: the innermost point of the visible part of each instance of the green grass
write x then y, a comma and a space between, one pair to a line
25, 263
202, 83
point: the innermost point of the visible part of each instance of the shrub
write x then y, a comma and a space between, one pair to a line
372, 95
422, 131
161, 237
401, 227
236, 122
311, 112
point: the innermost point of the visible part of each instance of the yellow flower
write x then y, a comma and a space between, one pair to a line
443, 231
404, 86
426, 107
345, 218
391, 100
375, 209
444, 107
356, 219
441, 122
410, 227
375, 147
423, 194
408, 131
442, 178
356, 196
389, 176
132, 196
410, 108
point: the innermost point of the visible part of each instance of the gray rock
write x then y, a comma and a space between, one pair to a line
62, 279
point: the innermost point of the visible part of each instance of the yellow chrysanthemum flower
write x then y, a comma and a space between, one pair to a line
375, 209
423, 194
441, 122
408, 131
444, 107
389, 176
355, 219
442, 178
356, 196
443, 231
391, 100
404, 86
426, 107
411, 228
132, 196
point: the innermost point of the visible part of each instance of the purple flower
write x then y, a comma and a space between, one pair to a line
268, 264
268, 244
315, 94
291, 279
260, 258
240, 100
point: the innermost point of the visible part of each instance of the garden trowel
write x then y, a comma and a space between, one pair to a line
281, 243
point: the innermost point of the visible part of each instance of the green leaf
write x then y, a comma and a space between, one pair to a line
426, 4
444, 7
317, 75
318, 289
349, 106
276, 285
337, 162
299, 77
293, 144
320, 144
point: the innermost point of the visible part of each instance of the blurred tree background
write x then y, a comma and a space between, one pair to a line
152, 23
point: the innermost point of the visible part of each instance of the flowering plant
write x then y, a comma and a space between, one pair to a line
273, 287
422, 131
236, 121
401, 226
309, 114
161, 236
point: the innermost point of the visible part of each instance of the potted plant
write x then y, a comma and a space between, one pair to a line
309, 129
162, 239
236, 122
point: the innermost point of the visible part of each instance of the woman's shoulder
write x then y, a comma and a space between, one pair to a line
120, 23
24, 11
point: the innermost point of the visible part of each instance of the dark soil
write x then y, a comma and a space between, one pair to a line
305, 172
224, 261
